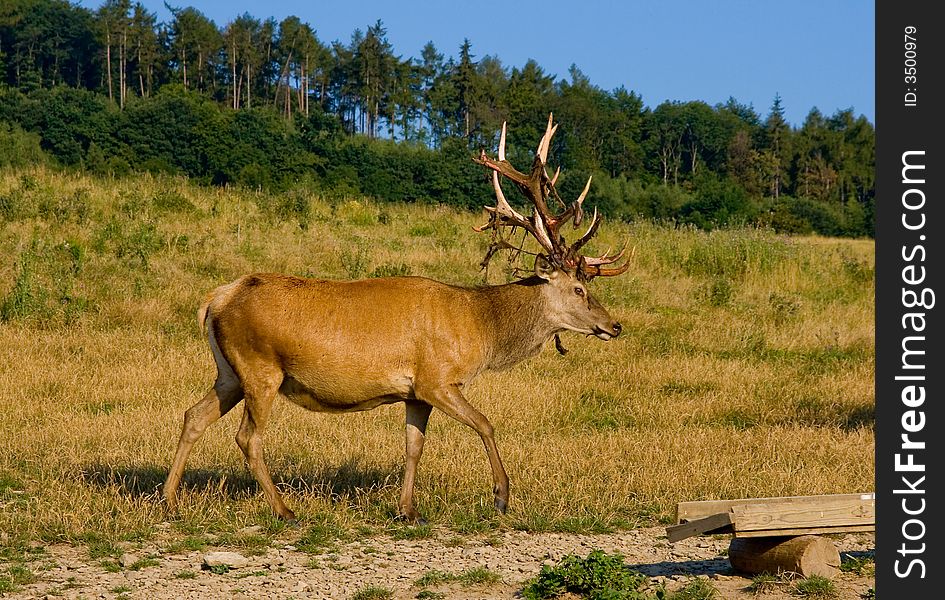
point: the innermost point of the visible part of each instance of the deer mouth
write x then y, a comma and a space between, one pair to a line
607, 333
602, 333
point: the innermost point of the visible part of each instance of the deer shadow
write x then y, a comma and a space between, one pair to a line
351, 478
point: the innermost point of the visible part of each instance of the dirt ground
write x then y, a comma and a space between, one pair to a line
284, 572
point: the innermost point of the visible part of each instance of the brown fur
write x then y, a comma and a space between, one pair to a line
343, 346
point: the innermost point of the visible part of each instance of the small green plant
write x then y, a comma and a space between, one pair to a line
321, 536
185, 574
14, 577
469, 577
430, 595
27, 299
479, 576
433, 577
110, 566
869, 594
354, 262
421, 230
373, 592
764, 583
144, 563
252, 574
783, 306
719, 292
862, 565
252, 544
598, 575
172, 201
220, 569
815, 587
696, 589
101, 547
391, 270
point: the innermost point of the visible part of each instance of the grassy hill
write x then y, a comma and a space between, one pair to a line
745, 369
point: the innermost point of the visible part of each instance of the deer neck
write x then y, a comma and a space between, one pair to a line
518, 325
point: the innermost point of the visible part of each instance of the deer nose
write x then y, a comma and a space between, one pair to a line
617, 329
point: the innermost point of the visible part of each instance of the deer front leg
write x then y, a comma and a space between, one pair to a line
451, 401
417, 416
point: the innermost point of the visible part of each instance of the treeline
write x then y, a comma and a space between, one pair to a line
265, 103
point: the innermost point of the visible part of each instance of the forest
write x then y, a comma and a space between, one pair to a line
268, 105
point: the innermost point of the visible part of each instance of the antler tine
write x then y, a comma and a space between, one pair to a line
542, 234
543, 224
596, 271
591, 267
503, 206
555, 178
502, 143
595, 223
545, 142
604, 259
579, 204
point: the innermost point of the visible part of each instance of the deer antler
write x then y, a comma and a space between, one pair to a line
543, 225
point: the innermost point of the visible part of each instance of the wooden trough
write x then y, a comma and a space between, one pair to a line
777, 535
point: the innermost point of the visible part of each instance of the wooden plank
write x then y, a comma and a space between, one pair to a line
690, 511
712, 523
815, 512
804, 531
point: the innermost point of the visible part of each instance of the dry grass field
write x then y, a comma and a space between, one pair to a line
745, 369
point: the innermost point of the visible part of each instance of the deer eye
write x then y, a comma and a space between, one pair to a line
579, 291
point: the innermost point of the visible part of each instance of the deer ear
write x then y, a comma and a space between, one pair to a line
544, 269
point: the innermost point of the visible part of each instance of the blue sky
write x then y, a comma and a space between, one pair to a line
812, 53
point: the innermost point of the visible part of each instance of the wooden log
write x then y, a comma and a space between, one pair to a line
806, 555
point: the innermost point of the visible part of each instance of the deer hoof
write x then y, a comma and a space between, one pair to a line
412, 519
288, 516
501, 505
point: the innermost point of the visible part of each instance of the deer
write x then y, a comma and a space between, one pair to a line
343, 346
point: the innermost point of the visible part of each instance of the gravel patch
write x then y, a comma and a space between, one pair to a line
284, 572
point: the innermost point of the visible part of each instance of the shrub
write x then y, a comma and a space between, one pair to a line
598, 575
19, 148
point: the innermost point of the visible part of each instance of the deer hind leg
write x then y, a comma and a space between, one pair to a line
256, 412
417, 416
450, 400
218, 401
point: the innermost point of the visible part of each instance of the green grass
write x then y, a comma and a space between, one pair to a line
764, 583
321, 536
144, 563
863, 566
696, 589
815, 587
470, 577
411, 532
14, 577
373, 592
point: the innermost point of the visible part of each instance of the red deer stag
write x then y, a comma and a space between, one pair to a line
343, 346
